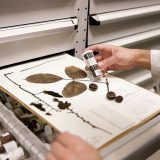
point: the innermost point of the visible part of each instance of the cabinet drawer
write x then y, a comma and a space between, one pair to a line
119, 29
27, 49
22, 12
27, 42
151, 44
148, 39
100, 6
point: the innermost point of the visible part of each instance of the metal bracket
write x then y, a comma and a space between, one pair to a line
82, 15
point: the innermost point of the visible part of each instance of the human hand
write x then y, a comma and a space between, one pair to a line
70, 147
119, 58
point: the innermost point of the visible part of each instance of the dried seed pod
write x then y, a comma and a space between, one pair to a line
73, 89
93, 87
43, 78
107, 83
111, 95
119, 99
74, 72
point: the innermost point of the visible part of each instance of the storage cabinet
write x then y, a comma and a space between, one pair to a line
37, 28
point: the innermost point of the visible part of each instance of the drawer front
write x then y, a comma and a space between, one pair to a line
100, 6
31, 41
119, 29
152, 44
26, 49
30, 11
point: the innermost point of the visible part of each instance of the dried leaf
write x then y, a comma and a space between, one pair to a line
43, 78
52, 93
62, 105
48, 114
38, 106
74, 72
73, 89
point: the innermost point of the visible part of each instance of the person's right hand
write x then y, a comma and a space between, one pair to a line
119, 58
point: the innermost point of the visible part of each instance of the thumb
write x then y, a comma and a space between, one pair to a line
106, 63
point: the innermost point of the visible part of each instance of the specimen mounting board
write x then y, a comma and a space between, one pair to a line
91, 115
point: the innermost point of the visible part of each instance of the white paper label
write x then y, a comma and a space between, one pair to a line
90, 62
14, 155
98, 72
10, 146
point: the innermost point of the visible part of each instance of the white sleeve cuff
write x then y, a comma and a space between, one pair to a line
155, 63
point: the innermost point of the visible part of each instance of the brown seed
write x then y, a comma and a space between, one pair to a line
111, 95
93, 87
119, 99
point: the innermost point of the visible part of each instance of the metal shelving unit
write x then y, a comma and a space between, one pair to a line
133, 24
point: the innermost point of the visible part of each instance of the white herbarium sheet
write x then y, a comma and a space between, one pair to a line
91, 115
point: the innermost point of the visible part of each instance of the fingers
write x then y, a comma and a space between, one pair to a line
100, 48
105, 64
95, 48
104, 51
58, 150
120, 67
68, 140
65, 143
98, 57
50, 157
72, 147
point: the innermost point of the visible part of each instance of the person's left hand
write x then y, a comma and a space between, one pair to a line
70, 147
